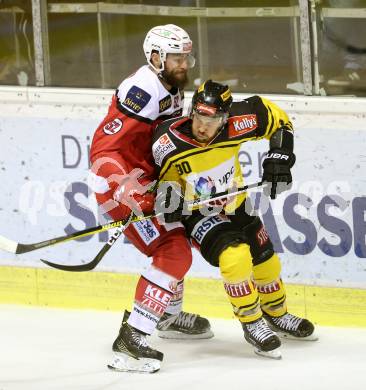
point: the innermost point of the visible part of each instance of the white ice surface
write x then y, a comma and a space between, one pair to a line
51, 349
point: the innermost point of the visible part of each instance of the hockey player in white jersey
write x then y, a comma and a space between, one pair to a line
121, 145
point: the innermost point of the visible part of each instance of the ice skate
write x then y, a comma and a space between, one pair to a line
132, 353
265, 342
184, 326
289, 326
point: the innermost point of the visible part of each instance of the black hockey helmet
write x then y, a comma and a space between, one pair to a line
212, 99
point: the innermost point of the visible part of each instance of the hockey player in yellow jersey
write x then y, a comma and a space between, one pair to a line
198, 156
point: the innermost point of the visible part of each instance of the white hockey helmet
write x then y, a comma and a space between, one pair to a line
167, 39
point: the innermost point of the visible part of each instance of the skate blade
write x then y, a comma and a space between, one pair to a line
173, 334
274, 354
125, 363
286, 336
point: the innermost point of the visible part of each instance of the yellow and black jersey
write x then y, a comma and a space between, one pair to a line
203, 171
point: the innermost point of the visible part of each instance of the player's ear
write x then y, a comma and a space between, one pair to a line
155, 59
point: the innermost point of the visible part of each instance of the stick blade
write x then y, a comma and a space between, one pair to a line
70, 268
87, 266
8, 245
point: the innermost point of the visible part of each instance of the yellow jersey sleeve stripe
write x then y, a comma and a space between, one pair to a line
271, 121
277, 116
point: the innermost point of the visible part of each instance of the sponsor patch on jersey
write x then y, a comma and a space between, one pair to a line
147, 231
165, 103
262, 236
205, 187
113, 127
136, 99
216, 179
161, 148
205, 225
241, 124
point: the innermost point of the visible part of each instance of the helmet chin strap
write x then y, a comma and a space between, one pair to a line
162, 58
161, 77
164, 80
159, 71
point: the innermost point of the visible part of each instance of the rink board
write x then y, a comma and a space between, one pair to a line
318, 228
114, 291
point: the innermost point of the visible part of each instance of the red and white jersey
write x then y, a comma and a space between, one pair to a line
124, 136
144, 94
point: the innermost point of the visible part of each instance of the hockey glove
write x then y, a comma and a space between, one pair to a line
134, 194
169, 203
277, 171
145, 202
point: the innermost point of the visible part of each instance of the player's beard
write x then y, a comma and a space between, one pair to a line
176, 78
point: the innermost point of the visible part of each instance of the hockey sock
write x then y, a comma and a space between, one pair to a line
270, 286
153, 294
176, 302
236, 269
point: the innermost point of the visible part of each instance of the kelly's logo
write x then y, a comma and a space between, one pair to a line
239, 125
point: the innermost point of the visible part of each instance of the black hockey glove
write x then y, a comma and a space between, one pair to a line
169, 203
277, 171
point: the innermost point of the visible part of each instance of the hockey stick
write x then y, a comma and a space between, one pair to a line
222, 195
91, 265
19, 248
